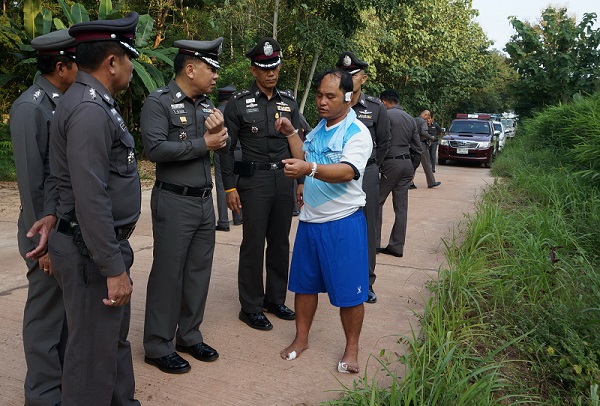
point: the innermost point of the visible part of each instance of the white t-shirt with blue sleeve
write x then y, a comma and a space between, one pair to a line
324, 201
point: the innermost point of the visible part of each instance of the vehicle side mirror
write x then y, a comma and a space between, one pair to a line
443, 129
496, 132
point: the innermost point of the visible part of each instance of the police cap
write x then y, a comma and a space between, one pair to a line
208, 51
265, 54
350, 63
55, 43
121, 30
226, 92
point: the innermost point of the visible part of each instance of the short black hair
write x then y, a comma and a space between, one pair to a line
91, 54
47, 63
389, 95
346, 84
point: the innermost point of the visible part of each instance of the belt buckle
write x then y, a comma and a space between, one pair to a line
205, 193
274, 166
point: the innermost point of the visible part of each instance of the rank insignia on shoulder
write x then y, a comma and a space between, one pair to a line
55, 95
92, 93
107, 97
183, 119
37, 94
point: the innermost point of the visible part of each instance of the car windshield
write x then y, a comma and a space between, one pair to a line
498, 127
469, 127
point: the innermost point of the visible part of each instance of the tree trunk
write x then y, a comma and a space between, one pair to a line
298, 71
275, 18
309, 79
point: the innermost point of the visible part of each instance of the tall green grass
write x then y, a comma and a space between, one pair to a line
516, 316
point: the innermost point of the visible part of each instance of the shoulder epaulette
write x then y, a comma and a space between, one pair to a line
37, 95
240, 93
91, 95
373, 99
287, 93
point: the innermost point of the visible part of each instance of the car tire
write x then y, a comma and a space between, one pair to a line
441, 161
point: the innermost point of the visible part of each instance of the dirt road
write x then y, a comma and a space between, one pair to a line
249, 370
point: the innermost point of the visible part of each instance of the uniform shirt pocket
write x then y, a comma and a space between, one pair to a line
256, 125
124, 154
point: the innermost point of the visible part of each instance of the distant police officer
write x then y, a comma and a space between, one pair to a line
180, 126
397, 171
92, 157
263, 191
373, 114
225, 94
426, 139
44, 322
435, 131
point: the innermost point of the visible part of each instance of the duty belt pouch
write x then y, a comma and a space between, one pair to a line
79, 243
243, 168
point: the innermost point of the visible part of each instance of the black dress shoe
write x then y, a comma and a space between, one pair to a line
200, 351
372, 296
388, 251
379, 250
412, 186
279, 310
256, 320
435, 185
221, 228
171, 364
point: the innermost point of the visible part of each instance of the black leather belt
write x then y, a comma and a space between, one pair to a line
68, 227
405, 156
371, 161
184, 190
273, 166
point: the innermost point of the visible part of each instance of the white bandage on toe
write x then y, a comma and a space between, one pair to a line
291, 356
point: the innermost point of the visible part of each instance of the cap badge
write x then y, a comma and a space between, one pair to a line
254, 130
347, 61
183, 136
92, 93
268, 49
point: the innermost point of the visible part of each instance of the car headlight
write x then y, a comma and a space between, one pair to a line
484, 144
445, 142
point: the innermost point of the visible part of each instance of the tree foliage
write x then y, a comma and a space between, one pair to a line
555, 59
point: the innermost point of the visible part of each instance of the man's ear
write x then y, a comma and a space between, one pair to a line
59, 68
364, 78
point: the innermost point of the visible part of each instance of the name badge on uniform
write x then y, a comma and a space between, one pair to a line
254, 130
183, 120
284, 108
251, 100
253, 110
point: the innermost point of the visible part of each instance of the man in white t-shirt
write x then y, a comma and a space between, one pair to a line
330, 251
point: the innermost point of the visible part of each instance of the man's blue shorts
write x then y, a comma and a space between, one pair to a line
332, 257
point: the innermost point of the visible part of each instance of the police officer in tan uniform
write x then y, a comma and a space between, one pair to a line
262, 190
180, 126
44, 321
92, 158
373, 114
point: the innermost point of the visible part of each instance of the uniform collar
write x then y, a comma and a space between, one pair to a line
361, 100
53, 93
256, 92
179, 95
88, 80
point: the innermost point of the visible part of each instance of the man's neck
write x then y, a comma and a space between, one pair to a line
356, 97
54, 79
268, 92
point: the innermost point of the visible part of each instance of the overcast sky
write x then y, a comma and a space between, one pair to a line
493, 14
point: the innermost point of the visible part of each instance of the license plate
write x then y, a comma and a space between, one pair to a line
462, 150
